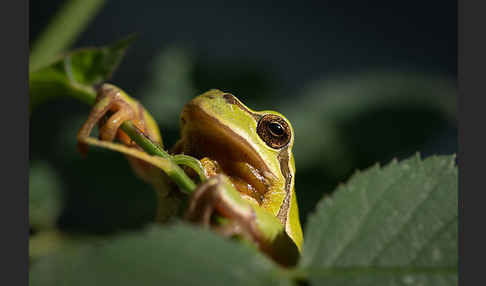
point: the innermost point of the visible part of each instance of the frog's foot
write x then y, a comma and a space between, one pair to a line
211, 198
109, 100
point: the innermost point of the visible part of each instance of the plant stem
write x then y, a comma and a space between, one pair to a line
63, 29
176, 174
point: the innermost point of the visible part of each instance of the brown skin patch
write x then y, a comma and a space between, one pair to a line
241, 163
283, 157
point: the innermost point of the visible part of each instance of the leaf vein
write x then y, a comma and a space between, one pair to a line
405, 223
363, 218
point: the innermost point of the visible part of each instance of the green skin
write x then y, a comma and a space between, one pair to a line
218, 127
224, 118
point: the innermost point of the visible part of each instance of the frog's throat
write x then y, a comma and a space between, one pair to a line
205, 132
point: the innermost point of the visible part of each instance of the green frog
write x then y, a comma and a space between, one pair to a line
246, 154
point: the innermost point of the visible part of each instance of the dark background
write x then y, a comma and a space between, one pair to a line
265, 54
296, 41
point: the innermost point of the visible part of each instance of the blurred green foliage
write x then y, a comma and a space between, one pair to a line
45, 199
156, 256
62, 31
343, 123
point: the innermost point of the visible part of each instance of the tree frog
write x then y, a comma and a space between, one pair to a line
248, 158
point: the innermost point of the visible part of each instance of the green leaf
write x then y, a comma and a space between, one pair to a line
45, 201
63, 29
75, 74
178, 255
395, 225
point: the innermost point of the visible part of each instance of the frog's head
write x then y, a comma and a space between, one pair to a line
250, 146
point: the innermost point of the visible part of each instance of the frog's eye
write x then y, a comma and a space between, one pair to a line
274, 131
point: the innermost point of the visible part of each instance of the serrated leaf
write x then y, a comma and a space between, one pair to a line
178, 255
395, 225
75, 73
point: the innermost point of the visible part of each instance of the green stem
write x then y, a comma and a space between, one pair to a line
147, 145
176, 174
193, 163
66, 25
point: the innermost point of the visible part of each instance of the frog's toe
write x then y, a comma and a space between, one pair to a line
209, 199
108, 100
201, 205
123, 112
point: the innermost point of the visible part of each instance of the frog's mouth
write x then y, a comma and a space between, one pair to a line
206, 137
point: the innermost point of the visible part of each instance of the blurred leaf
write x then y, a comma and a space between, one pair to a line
63, 29
354, 121
45, 201
395, 225
178, 255
47, 242
75, 74
170, 85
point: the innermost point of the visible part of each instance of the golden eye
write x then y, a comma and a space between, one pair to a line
274, 131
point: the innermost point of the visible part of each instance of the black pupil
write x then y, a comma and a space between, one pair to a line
276, 128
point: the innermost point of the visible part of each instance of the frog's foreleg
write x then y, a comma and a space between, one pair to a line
215, 196
123, 112
218, 196
108, 100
